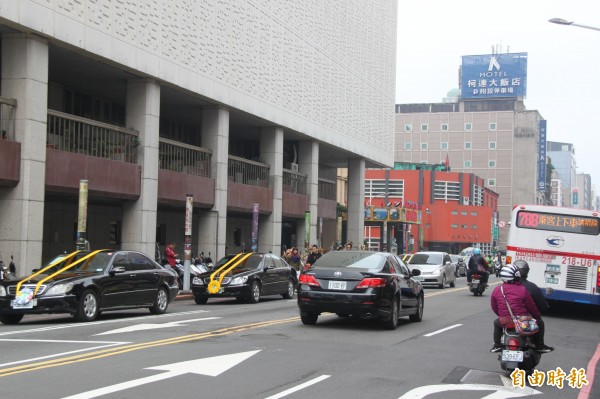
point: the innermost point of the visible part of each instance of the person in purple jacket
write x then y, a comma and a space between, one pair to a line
521, 304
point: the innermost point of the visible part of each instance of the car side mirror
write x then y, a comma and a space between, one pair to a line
117, 269
415, 272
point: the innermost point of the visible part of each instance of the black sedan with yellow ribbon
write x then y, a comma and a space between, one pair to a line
84, 283
247, 277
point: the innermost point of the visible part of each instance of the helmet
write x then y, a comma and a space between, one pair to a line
523, 267
510, 273
476, 251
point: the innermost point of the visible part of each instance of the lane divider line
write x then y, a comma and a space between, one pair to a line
299, 387
442, 330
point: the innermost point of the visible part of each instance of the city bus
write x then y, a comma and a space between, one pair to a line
562, 247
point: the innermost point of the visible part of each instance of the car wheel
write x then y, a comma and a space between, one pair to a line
392, 323
443, 284
11, 318
161, 303
309, 318
418, 316
88, 307
254, 296
200, 300
289, 294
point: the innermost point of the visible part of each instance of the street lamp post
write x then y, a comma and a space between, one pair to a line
561, 21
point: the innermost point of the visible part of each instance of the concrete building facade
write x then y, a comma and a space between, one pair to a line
236, 103
493, 139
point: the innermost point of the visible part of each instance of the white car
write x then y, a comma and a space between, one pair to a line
436, 268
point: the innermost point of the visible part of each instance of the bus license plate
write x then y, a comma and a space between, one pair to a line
512, 356
552, 280
337, 285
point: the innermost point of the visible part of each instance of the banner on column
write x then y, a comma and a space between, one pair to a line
254, 242
306, 229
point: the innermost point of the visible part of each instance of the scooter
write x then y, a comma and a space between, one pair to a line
195, 270
7, 272
476, 287
497, 268
517, 351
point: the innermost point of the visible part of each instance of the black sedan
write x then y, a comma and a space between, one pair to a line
361, 284
247, 277
84, 283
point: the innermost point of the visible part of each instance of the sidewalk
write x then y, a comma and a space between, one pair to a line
183, 295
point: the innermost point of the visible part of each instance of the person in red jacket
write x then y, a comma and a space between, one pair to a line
521, 303
170, 254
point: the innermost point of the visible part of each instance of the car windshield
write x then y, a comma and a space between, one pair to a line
95, 264
353, 259
426, 259
250, 263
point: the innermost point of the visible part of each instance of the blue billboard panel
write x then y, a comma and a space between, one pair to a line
493, 76
541, 158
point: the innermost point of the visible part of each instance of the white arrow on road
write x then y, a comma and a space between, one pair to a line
500, 392
210, 366
153, 326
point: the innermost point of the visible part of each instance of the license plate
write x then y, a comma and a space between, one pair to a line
512, 356
28, 305
553, 268
475, 281
552, 280
419, 278
337, 285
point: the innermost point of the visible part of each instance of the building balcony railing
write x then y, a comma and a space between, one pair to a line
8, 107
248, 172
294, 182
184, 158
327, 189
85, 136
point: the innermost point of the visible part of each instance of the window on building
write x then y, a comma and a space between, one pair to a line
375, 188
407, 127
408, 146
447, 190
491, 182
467, 145
474, 227
491, 163
454, 212
464, 213
444, 127
454, 226
473, 213
424, 146
468, 126
424, 127
492, 125
478, 195
444, 145
465, 226
467, 164
492, 145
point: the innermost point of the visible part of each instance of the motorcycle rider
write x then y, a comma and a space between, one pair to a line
474, 262
170, 254
538, 298
521, 304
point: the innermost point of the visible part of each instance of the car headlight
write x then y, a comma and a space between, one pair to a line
60, 289
238, 280
2, 290
197, 281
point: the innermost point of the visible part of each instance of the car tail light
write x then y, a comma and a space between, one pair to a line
508, 260
308, 279
513, 344
372, 282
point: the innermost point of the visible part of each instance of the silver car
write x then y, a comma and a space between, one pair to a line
436, 268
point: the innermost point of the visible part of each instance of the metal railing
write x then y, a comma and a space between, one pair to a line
249, 172
85, 136
184, 158
327, 189
8, 108
294, 182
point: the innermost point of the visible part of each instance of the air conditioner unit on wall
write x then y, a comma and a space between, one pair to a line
465, 200
294, 167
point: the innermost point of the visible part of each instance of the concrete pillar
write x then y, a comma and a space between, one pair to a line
25, 78
356, 198
308, 163
142, 114
212, 226
269, 226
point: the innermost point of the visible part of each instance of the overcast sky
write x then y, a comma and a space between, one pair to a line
563, 68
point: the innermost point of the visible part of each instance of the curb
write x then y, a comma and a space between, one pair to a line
182, 296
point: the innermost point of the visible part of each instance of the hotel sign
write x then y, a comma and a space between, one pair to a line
541, 157
494, 76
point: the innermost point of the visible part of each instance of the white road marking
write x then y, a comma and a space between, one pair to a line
299, 387
442, 330
211, 366
95, 323
35, 359
60, 341
500, 392
153, 326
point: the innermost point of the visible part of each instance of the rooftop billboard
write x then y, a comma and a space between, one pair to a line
494, 76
